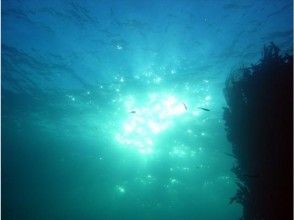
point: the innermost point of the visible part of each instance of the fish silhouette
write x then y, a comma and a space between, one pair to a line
204, 109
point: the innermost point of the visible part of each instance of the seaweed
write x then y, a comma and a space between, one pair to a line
258, 123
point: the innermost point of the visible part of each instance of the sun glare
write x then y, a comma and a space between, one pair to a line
143, 123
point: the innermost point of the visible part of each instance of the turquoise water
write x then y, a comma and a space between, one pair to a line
104, 105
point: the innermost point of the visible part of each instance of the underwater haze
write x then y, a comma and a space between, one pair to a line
114, 109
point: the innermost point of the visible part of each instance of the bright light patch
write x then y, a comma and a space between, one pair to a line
144, 123
196, 113
120, 189
178, 109
119, 47
208, 98
173, 181
169, 101
177, 152
157, 80
129, 127
155, 127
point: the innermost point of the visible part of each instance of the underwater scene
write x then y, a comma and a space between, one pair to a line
125, 109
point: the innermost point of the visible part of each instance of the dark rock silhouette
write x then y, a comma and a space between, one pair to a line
258, 123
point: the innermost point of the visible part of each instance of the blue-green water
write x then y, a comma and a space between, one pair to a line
101, 105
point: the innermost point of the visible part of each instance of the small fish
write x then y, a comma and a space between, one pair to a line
205, 109
133, 111
186, 108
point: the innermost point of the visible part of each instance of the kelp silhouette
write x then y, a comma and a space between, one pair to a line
258, 121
